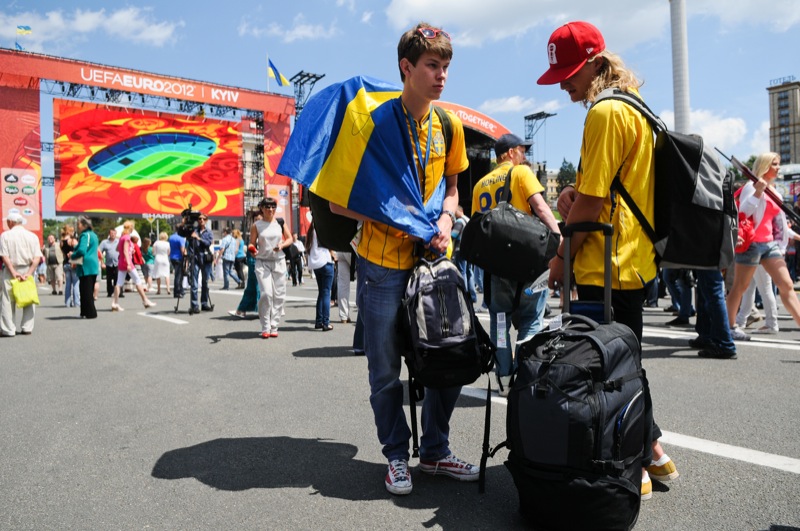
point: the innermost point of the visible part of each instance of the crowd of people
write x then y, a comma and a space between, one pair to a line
383, 256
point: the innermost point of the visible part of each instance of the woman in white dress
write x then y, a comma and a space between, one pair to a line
161, 267
267, 241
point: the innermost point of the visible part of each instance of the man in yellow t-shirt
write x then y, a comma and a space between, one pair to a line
616, 138
386, 258
499, 293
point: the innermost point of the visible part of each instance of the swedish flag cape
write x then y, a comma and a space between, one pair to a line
351, 146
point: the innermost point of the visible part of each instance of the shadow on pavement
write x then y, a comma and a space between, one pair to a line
238, 334
325, 352
331, 470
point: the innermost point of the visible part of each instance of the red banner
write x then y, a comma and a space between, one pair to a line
134, 81
20, 145
476, 120
282, 194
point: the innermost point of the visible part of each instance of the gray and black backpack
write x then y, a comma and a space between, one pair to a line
692, 189
446, 346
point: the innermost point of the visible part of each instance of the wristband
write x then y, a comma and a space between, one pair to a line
451, 214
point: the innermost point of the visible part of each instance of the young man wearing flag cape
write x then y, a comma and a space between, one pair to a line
386, 257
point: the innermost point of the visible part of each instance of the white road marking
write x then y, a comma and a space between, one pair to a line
761, 342
480, 394
787, 464
289, 298
162, 318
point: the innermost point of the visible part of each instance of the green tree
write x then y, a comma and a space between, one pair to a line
738, 178
566, 175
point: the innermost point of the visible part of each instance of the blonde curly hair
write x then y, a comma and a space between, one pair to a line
612, 73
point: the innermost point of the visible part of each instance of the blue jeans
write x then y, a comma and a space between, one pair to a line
358, 333
205, 269
379, 294
469, 277
72, 294
324, 276
177, 277
680, 290
712, 314
477, 274
527, 318
227, 266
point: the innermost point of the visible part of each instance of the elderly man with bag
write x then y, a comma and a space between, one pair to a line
21, 254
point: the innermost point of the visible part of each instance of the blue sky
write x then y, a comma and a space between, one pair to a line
736, 47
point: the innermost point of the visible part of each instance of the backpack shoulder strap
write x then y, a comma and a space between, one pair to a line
447, 127
637, 103
616, 186
505, 195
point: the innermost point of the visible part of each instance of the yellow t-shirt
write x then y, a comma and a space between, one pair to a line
616, 134
524, 184
389, 247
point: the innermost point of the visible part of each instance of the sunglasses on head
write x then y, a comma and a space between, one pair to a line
432, 33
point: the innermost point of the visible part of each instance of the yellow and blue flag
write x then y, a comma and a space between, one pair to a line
351, 146
20, 48
23, 30
272, 72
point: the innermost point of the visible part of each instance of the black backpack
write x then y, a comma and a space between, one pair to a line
692, 190
446, 346
577, 426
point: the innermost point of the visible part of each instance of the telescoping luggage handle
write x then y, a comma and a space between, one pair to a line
588, 226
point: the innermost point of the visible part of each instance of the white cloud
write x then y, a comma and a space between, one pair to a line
245, 28
517, 104
624, 23
717, 131
301, 30
366, 17
130, 24
777, 15
473, 24
133, 24
759, 142
350, 5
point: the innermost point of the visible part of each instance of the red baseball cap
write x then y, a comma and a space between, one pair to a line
569, 48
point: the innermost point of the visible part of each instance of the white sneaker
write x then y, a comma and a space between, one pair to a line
451, 466
398, 477
765, 330
738, 335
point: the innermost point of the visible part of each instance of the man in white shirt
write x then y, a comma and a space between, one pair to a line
21, 254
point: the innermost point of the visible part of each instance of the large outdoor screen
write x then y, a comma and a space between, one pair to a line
132, 162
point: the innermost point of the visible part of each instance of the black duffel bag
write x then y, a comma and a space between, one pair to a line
507, 242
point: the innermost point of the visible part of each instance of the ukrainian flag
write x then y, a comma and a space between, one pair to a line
23, 30
272, 71
351, 146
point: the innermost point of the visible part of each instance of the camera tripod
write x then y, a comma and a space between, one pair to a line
188, 267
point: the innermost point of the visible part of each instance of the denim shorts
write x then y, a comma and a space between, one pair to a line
758, 252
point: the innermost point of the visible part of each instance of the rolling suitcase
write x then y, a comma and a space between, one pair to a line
577, 423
